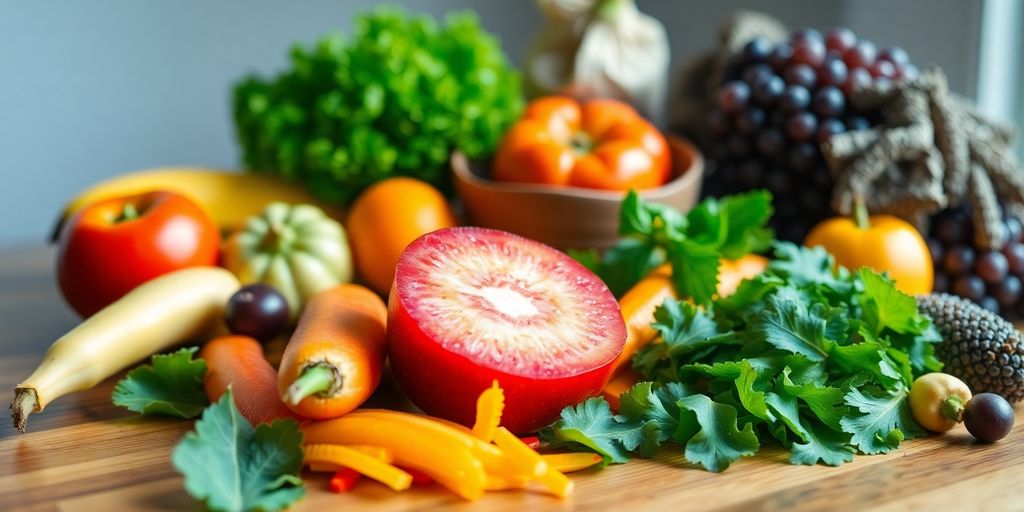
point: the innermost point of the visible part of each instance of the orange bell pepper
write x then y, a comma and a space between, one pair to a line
602, 144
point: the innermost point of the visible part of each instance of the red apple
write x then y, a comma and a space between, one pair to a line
471, 305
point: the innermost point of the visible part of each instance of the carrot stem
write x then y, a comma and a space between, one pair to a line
315, 379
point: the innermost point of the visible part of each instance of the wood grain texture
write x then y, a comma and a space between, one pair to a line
83, 453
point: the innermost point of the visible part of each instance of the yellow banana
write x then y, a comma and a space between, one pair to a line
229, 197
159, 314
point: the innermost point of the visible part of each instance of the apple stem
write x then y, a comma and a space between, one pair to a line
314, 379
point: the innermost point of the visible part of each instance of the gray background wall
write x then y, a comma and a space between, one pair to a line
90, 89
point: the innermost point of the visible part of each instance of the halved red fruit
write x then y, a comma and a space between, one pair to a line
470, 305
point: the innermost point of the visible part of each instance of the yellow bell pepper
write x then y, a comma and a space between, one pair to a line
365, 464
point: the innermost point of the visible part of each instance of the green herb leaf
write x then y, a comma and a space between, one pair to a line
884, 420
887, 307
591, 424
627, 263
635, 217
231, 466
789, 325
171, 385
684, 329
803, 266
715, 441
825, 402
746, 216
694, 270
822, 445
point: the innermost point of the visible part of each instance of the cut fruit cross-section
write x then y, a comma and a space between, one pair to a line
470, 305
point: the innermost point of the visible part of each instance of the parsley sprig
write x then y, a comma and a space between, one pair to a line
814, 358
693, 244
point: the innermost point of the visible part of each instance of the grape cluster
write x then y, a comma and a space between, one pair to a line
778, 103
990, 278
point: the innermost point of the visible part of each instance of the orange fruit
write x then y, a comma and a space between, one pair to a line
387, 217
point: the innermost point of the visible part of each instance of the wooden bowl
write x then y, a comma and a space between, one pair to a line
568, 217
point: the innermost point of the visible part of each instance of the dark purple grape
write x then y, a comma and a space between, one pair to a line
1014, 228
1006, 291
803, 156
839, 39
970, 287
883, 69
896, 55
951, 226
857, 123
257, 310
990, 303
768, 89
738, 145
801, 126
781, 56
750, 174
833, 72
719, 123
862, 55
733, 96
800, 74
829, 102
941, 283
795, 98
828, 128
991, 266
752, 74
959, 259
1014, 252
936, 249
856, 78
750, 119
757, 50
810, 51
988, 417
779, 183
770, 142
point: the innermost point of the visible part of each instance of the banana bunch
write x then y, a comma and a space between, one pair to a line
229, 197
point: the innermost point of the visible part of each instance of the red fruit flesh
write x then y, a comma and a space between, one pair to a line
470, 305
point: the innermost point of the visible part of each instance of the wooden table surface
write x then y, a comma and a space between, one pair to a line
83, 453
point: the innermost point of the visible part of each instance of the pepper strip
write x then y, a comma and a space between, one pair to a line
365, 464
488, 412
521, 456
569, 462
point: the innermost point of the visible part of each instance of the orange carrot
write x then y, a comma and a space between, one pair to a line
333, 361
237, 361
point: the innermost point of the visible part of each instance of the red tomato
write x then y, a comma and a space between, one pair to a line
602, 144
112, 246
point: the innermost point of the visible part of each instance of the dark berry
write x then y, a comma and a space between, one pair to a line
781, 56
257, 310
936, 249
862, 55
959, 259
750, 119
757, 50
833, 72
828, 128
988, 417
768, 89
839, 39
1014, 253
829, 102
719, 123
756, 72
1014, 229
857, 123
951, 226
801, 126
770, 142
795, 98
895, 55
883, 68
941, 283
855, 79
810, 51
733, 96
803, 156
991, 266
1006, 291
800, 74
989, 303
970, 287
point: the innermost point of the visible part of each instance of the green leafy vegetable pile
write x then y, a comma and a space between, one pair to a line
395, 99
693, 243
817, 359
171, 385
229, 465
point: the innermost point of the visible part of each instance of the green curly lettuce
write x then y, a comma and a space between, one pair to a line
394, 99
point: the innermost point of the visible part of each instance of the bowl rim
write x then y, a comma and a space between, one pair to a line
686, 178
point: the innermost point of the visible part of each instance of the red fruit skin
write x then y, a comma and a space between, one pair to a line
447, 385
100, 259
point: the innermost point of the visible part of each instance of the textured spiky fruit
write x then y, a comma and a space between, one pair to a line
978, 346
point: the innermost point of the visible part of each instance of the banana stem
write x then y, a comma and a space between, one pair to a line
315, 379
25, 402
953, 408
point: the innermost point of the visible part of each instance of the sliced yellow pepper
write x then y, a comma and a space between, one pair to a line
556, 482
505, 483
569, 462
376, 452
488, 412
446, 459
365, 464
521, 456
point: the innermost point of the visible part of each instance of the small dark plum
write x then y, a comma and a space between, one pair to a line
257, 310
991, 266
970, 287
988, 417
